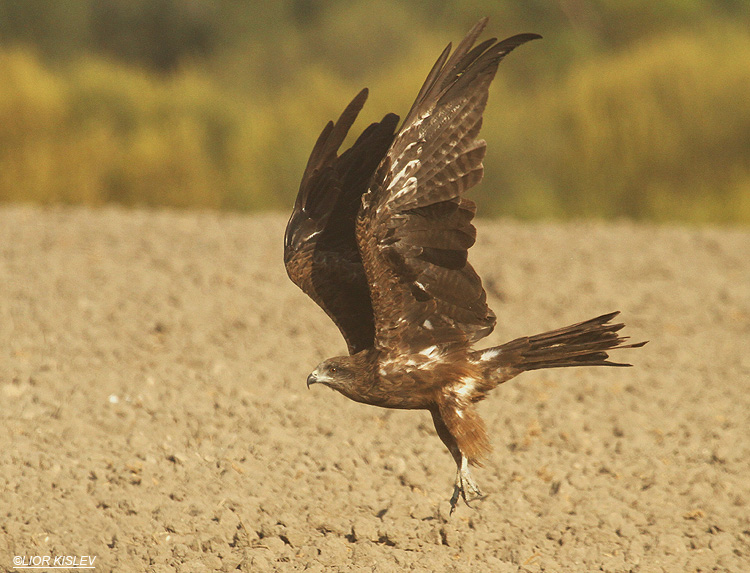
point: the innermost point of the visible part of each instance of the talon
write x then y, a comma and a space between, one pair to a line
454, 498
464, 483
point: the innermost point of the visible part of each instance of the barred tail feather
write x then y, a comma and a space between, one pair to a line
583, 344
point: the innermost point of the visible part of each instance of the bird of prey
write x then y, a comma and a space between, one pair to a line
379, 237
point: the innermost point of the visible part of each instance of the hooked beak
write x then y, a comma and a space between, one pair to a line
311, 379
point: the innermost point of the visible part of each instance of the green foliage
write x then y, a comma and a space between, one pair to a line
630, 109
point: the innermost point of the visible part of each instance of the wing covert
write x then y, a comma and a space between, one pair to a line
414, 228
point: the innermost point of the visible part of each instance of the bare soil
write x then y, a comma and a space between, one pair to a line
155, 415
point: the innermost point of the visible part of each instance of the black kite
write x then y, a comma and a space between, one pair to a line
379, 238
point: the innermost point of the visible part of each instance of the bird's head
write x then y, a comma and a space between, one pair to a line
339, 373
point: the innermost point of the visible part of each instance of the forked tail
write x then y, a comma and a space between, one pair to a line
582, 344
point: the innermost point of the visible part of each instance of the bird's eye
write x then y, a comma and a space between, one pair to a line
333, 370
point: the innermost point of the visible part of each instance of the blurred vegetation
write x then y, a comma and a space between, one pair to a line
627, 108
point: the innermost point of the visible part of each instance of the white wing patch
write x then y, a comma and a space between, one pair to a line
405, 173
464, 388
421, 118
489, 354
430, 352
411, 145
409, 187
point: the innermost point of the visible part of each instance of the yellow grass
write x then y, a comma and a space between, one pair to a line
658, 131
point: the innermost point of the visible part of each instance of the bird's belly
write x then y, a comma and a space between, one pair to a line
407, 389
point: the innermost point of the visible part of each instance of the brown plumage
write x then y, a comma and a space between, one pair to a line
379, 238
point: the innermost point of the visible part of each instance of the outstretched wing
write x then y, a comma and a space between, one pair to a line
320, 249
414, 229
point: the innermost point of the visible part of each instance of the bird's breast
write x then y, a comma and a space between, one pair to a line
415, 381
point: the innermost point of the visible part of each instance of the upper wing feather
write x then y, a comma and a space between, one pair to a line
320, 249
414, 228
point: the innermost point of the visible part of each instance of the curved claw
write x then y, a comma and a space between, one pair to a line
464, 483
